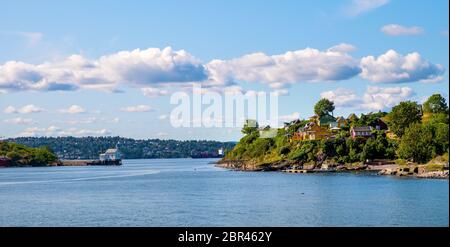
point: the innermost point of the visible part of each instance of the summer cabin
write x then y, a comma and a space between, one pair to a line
363, 131
311, 131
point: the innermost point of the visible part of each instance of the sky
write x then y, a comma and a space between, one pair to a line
96, 68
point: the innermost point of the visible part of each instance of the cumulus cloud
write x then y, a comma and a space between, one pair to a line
397, 30
73, 109
30, 109
141, 68
137, 108
307, 65
342, 97
374, 98
25, 109
155, 71
393, 67
19, 120
378, 98
358, 7
289, 117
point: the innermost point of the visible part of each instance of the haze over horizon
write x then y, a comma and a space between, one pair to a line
109, 68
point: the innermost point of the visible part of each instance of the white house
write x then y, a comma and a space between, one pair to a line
110, 154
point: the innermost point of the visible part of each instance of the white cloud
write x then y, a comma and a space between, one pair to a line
30, 109
433, 80
19, 120
153, 92
136, 68
393, 67
137, 108
155, 72
342, 97
397, 30
73, 109
88, 132
289, 117
307, 65
343, 48
378, 98
374, 98
358, 7
10, 109
24, 109
36, 131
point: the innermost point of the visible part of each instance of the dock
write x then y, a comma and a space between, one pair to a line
90, 163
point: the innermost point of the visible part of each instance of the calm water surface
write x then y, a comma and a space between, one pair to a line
192, 192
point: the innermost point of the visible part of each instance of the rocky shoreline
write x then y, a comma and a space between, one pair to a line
383, 167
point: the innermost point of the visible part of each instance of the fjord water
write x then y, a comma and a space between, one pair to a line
192, 192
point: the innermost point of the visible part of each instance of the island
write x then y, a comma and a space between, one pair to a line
410, 140
14, 154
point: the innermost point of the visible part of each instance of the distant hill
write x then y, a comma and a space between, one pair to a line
91, 147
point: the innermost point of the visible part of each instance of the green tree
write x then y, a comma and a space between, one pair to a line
436, 118
323, 107
249, 126
417, 143
440, 138
435, 104
14, 156
403, 115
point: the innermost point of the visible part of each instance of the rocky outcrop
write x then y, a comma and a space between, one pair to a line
434, 174
409, 170
419, 171
243, 165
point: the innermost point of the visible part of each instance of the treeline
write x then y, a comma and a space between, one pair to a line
421, 133
91, 147
21, 155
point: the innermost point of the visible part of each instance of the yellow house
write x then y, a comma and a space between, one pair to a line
341, 121
311, 131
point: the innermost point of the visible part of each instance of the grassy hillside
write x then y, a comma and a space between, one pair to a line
414, 137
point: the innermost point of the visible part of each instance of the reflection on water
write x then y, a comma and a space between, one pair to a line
192, 192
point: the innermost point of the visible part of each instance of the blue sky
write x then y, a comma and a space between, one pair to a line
37, 38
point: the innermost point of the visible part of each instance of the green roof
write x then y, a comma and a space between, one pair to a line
326, 119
